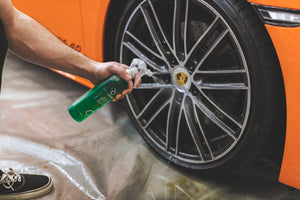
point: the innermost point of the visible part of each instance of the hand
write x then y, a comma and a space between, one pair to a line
125, 92
104, 70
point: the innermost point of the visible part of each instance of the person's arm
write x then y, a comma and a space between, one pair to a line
34, 43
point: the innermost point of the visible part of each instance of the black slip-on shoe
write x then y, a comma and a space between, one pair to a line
23, 186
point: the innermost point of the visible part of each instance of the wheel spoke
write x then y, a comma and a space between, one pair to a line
176, 24
215, 119
142, 56
157, 33
153, 100
178, 125
193, 130
220, 110
202, 83
147, 49
238, 71
154, 86
179, 44
203, 38
157, 113
185, 27
222, 86
201, 130
211, 48
172, 115
161, 72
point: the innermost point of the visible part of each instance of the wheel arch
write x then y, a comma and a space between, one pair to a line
113, 17
276, 152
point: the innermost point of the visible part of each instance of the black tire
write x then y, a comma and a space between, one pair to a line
250, 115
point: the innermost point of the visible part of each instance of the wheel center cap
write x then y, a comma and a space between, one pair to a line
181, 78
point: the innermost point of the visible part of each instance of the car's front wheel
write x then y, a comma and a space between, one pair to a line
217, 94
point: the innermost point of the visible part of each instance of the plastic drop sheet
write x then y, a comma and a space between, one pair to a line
103, 157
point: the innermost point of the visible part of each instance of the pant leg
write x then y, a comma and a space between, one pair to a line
3, 49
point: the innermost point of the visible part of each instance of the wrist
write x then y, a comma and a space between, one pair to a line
90, 71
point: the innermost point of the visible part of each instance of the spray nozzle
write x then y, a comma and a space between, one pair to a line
138, 65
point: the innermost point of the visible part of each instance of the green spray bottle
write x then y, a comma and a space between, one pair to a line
106, 91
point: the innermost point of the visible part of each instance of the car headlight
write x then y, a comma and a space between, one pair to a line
279, 16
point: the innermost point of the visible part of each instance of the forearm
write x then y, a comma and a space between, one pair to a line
31, 41
34, 43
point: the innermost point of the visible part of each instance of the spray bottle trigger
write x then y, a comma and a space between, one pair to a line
138, 65
142, 73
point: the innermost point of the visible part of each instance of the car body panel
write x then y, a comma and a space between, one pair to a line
291, 4
94, 16
83, 22
49, 13
288, 53
286, 43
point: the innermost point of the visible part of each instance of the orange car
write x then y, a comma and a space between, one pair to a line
240, 96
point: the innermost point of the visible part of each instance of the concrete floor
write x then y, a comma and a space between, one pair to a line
104, 157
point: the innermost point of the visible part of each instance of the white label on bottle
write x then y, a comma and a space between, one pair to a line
102, 100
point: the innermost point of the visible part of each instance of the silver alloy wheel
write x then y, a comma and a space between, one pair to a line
196, 107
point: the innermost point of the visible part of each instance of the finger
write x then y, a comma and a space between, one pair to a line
124, 92
119, 70
117, 98
138, 83
124, 66
130, 87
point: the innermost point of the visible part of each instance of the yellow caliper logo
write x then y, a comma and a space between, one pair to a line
181, 78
